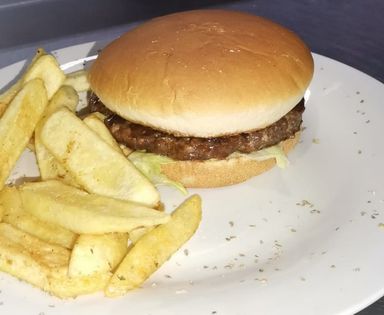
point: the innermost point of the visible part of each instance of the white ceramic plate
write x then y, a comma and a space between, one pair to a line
305, 240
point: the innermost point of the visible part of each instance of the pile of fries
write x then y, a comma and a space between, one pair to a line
92, 222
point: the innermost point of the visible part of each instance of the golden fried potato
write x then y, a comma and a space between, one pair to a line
65, 96
97, 253
47, 232
78, 80
14, 214
18, 123
62, 286
3, 106
83, 213
10, 200
155, 247
47, 69
28, 258
43, 265
7, 96
48, 254
136, 234
95, 165
42, 66
49, 167
95, 122
1, 212
17, 261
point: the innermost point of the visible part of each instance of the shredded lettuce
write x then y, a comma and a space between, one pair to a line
275, 152
150, 165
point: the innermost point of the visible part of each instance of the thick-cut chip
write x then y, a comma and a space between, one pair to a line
17, 261
136, 234
65, 96
1, 212
10, 200
97, 253
3, 106
15, 215
48, 232
47, 69
49, 168
148, 164
18, 123
95, 165
28, 258
62, 286
95, 122
78, 80
43, 265
48, 254
155, 248
44, 67
83, 213
7, 96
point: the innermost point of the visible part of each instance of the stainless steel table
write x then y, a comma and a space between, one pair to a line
349, 31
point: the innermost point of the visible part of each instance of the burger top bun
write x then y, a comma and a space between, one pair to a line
203, 73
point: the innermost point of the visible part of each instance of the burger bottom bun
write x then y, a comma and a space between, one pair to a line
217, 173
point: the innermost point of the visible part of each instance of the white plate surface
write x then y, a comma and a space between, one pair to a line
305, 240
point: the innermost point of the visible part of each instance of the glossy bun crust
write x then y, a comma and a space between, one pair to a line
203, 73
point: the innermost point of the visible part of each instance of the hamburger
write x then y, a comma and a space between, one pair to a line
220, 93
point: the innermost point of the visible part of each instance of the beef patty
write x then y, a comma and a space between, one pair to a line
139, 137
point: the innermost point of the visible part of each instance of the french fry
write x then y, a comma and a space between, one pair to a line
62, 286
17, 261
15, 215
95, 165
48, 232
42, 66
65, 96
1, 212
155, 248
10, 200
3, 106
47, 69
49, 168
7, 96
43, 265
18, 123
83, 213
136, 234
50, 255
78, 80
29, 258
61, 239
97, 253
95, 122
